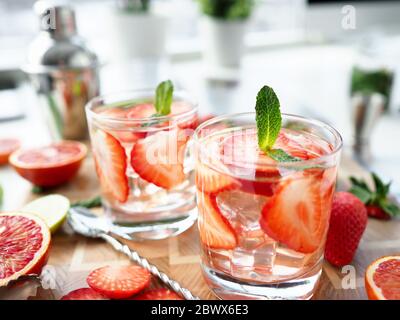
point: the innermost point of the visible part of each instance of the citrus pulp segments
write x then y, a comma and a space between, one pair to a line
24, 245
392, 278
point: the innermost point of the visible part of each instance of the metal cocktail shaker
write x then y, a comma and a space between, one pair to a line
63, 71
366, 110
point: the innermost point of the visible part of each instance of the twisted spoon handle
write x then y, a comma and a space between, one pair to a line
134, 256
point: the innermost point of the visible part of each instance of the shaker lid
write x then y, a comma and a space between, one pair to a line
58, 45
56, 18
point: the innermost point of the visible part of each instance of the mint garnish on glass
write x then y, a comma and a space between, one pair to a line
163, 99
269, 123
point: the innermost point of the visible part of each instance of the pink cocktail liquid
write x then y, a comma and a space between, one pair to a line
263, 224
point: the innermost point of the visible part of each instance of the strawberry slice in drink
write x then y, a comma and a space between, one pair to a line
296, 215
111, 164
139, 111
158, 158
256, 172
215, 230
147, 110
211, 181
301, 145
287, 143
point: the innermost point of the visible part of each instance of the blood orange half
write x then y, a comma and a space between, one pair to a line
382, 279
50, 165
7, 146
24, 244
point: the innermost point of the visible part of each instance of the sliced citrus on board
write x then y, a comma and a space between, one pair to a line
382, 279
24, 245
52, 209
50, 165
7, 146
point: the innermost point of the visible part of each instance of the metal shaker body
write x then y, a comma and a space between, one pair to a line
65, 75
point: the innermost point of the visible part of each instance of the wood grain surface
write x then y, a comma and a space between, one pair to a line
72, 257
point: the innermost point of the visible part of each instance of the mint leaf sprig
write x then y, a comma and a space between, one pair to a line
269, 123
163, 99
162, 102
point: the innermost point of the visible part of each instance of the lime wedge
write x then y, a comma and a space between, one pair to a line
52, 209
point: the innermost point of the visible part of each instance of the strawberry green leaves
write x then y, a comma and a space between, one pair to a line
163, 99
269, 123
378, 197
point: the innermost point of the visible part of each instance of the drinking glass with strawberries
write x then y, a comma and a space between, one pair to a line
139, 141
265, 183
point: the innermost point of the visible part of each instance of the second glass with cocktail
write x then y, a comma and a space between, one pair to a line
139, 141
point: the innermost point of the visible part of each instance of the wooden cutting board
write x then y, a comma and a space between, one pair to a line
72, 257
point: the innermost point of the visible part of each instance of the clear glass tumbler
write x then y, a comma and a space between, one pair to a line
143, 163
263, 224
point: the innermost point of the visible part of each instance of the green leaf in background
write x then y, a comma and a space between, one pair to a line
57, 119
376, 81
135, 5
268, 118
281, 156
37, 190
227, 9
89, 203
163, 100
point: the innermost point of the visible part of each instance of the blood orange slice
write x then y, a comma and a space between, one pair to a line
7, 146
382, 279
24, 244
50, 165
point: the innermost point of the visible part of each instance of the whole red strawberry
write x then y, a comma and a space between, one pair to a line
347, 224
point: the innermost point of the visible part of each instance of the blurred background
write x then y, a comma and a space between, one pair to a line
338, 61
